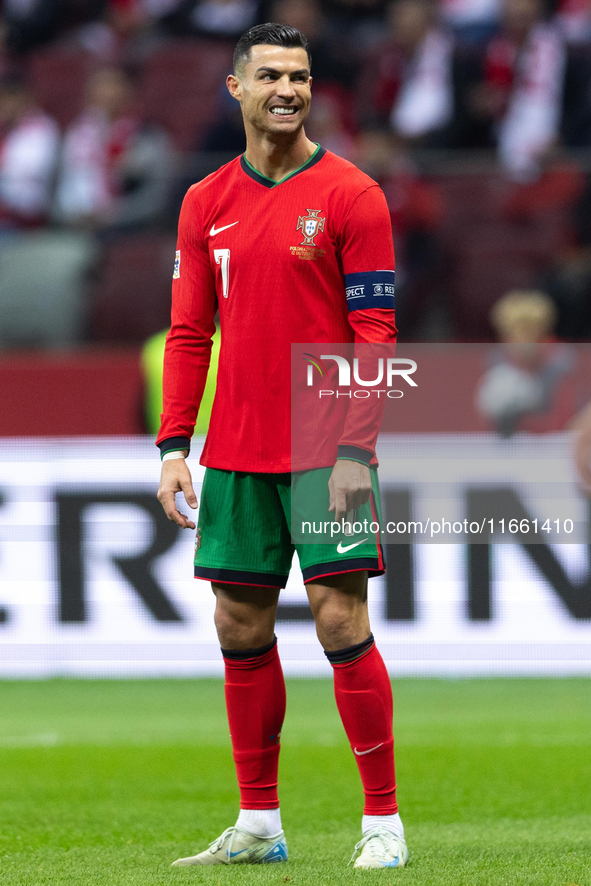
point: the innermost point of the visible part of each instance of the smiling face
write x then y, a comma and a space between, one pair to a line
273, 87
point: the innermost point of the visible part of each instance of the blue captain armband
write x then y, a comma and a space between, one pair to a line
373, 289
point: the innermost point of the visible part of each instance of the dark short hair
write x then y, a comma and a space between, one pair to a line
269, 34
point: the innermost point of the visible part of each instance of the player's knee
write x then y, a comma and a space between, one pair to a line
228, 626
337, 626
237, 629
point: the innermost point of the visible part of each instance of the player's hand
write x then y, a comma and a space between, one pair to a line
176, 477
349, 487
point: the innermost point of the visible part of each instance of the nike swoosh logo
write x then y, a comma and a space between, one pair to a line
234, 854
343, 550
215, 231
361, 753
391, 864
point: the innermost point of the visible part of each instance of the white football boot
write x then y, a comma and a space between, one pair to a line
380, 849
236, 846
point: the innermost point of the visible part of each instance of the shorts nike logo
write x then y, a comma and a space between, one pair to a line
361, 753
213, 231
342, 549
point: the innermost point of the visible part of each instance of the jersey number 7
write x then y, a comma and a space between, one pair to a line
222, 257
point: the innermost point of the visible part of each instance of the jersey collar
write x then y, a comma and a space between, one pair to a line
269, 182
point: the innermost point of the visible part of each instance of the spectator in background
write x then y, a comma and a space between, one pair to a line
29, 23
582, 428
113, 31
472, 21
524, 318
335, 60
358, 20
217, 19
224, 18
110, 34
4, 50
522, 90
416, 210
407, 81
574, 19
576, 110
29, 142
533, 384
227, 133
569, 280
330, 122
115, 168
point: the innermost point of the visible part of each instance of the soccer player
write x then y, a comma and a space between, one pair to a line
273, 240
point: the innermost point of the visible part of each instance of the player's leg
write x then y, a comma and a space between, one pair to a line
255, 702
255, 698
245, 550
364, 699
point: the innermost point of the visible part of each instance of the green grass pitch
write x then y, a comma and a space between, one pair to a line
107, 782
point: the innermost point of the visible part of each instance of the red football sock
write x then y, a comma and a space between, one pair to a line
364, 699
255, 701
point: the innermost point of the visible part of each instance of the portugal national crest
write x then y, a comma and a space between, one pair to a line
310, 226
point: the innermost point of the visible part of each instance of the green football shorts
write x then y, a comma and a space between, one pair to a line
250, 524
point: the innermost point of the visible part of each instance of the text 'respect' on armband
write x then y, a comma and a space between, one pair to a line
371, 289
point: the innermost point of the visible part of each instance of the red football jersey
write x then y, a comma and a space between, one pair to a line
306, 259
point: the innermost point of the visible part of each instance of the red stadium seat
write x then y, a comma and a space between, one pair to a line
181, 85
132, 296
482, 274
489, 252
58, 78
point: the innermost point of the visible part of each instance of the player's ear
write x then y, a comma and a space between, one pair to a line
233, 84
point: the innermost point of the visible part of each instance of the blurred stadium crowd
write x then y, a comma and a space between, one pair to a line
473, 115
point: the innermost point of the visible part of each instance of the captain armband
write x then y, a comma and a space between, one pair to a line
372, 289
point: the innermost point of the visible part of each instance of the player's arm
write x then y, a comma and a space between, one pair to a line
186, 359
367, 255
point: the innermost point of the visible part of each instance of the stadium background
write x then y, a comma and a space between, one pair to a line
475, 118
109, 109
